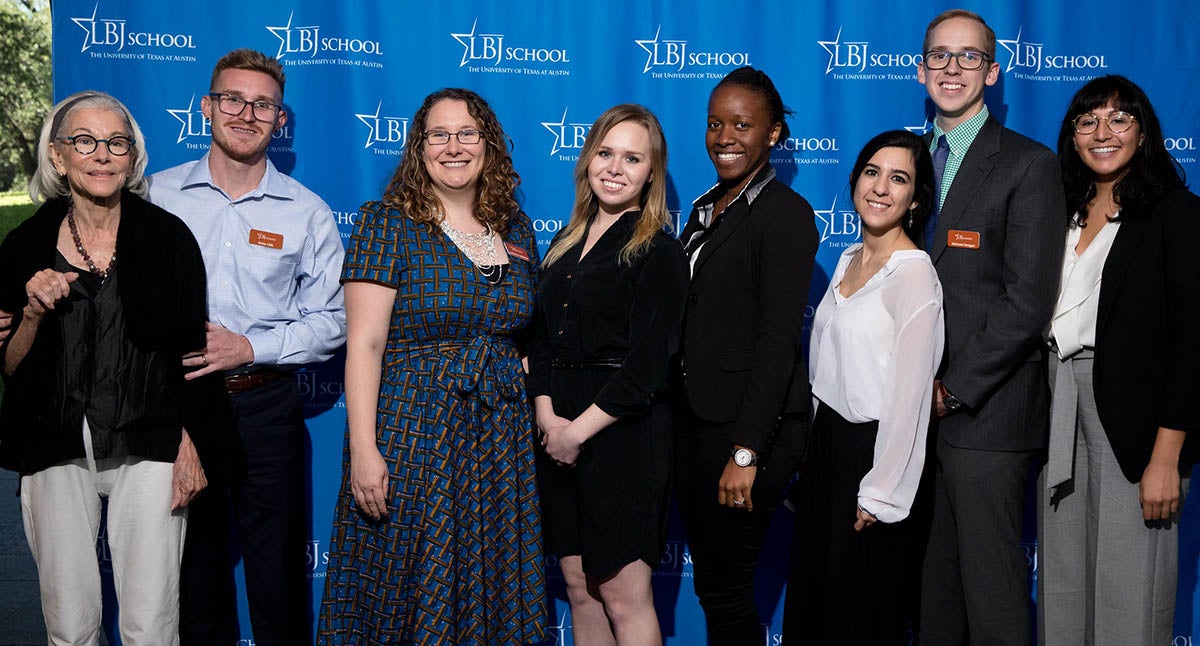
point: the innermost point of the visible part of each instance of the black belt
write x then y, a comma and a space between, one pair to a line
235, 384
595, 364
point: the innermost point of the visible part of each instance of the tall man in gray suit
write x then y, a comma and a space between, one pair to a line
997, 243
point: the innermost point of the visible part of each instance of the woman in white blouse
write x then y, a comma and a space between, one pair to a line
1126, 379
876, 344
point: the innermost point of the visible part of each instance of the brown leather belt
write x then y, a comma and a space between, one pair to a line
235, 384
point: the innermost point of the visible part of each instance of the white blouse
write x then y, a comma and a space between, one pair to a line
1074, 324
873, 356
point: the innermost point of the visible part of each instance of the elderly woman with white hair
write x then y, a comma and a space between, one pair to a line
107, 293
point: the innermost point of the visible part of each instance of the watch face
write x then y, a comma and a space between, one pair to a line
742, 457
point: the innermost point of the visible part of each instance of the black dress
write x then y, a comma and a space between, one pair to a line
604, 334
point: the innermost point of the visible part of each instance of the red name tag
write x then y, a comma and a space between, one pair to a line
962, 239
516, 252
266, 239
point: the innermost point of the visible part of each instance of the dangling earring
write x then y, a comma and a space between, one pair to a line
911, 215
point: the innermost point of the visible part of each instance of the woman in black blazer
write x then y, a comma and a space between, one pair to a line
743, 409
1126, 376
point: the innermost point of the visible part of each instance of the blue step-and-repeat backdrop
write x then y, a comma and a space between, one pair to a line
357, 71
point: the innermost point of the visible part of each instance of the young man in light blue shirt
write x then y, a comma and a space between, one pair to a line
273, 257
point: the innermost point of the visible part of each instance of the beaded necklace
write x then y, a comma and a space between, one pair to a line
480, 247
83, 252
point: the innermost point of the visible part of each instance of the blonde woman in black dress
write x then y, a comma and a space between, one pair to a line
610, 304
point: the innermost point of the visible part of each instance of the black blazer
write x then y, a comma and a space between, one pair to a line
1147, 366
999, 297
745, 313
162, 289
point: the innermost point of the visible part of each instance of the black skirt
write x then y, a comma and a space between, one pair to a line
847, 586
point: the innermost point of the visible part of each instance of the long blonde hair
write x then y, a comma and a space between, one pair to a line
653, 200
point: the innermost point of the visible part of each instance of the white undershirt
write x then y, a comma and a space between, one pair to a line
1074, 324
873, 356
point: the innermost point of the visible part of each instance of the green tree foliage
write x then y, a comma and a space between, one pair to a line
25, 85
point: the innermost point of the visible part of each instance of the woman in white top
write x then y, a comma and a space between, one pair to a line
876, 343
1126, 379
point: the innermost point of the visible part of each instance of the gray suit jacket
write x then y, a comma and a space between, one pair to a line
999, 297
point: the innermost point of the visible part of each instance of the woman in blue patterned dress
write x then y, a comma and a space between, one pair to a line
436, 535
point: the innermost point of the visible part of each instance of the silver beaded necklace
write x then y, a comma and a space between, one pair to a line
480, 247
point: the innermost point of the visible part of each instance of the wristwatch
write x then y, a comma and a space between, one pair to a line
743, 457
952, 403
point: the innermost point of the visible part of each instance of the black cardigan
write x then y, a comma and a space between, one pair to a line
162, 292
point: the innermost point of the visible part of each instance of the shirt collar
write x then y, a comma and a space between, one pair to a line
272, 183
751, 190
961, 136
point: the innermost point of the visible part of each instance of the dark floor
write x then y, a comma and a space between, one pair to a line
20, 612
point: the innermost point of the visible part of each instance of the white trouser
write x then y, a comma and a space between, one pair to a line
61, 509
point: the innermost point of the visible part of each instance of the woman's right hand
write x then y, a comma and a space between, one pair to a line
46, 288
368, 482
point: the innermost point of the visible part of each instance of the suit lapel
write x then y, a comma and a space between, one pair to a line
1123, 250
974, 171
729, 221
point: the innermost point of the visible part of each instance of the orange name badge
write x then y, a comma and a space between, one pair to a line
962, 239
516, 252
266, 239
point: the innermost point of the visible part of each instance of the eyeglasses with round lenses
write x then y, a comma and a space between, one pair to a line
233, 105
968, 59
1118, 122
86, 144
441, 137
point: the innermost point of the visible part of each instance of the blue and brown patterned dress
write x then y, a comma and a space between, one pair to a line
458, 558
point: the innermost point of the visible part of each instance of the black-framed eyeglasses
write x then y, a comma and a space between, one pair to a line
1118, 122
968, 59
86, 144
233, 105
441, 137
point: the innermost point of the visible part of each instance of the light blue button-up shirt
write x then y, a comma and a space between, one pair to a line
273, 259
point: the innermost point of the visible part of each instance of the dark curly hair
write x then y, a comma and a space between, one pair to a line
1152, 172
758, 81
411, 189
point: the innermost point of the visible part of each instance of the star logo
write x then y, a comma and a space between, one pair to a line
1015, 48
488, 50
383, 129
184, 117
556, 129
87, 25
853, 52
110, 32
560, 632
566, 134
650, 47
672, 56
836, 223
371, 121
919, 130
283, 37
308, 38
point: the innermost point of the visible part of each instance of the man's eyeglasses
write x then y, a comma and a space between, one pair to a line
1118, 122
86, 144
967, 59
233, 105
441, 137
